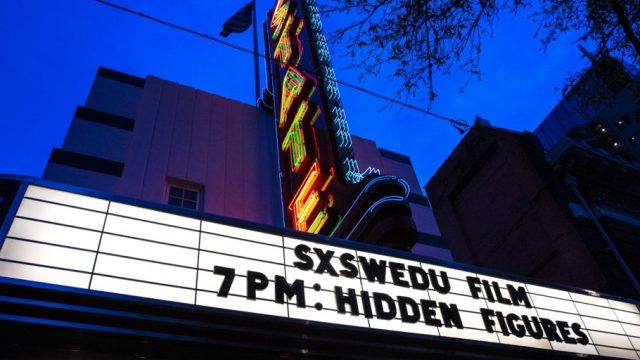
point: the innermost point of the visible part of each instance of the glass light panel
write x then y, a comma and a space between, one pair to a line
601, 338
602, 325
232, 246
136, 288
632, 330
61, 214
577, 348
551, 303
619, 305
49, 255
587, 299
525, 341
291, 243
469, 334
232, 231
329, 316
560, 316
506, 309
635, 341
595, 311
156, 232
154, 216
325, 281
534, 289
326, 298
464, 302
145, 271
66, 198
458, 287
394, 290
628, 317
619, 353
262, 307
45, 275
451, 273
241, 266
148, 250
472, 320
54, 234
397, 325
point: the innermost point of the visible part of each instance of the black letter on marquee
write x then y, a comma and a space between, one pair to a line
516, 329
583, 339
325, 262
501, 299
228, 274
350, 300
563, 327
372, 270
503, 323
550, 329
535, 333
301, 253
418, 282
295, 289
366, 305
403, 304
397, 274
351, 271
487, 314
427, 309
518, 296
445, 287
474, 287
381, 313
450, 315
255, 281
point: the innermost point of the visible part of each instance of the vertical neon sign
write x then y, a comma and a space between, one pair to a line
308, 177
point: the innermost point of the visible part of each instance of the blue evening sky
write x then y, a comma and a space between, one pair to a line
52, 49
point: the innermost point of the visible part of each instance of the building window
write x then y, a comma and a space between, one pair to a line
184, 194
635, 138
183, 197
623, 121
600, 128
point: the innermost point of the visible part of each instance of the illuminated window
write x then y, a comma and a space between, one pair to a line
600, 128
184, 194
623, 121
634, 139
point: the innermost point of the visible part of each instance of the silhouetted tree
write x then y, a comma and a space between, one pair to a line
422, 37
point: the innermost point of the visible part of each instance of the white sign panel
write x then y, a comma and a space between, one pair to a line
79, 241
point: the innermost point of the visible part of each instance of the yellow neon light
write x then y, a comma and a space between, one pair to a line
291, 88
319, 221
289, 43
279, 17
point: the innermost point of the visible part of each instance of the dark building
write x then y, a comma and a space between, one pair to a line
602, 111
561, 204
569, 216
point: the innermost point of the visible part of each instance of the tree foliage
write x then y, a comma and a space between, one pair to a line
419, 38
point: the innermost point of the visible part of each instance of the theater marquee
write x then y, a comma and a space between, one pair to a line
68, 239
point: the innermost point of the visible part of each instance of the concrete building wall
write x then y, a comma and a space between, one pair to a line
179, 136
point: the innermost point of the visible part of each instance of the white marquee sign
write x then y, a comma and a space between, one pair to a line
68, 239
